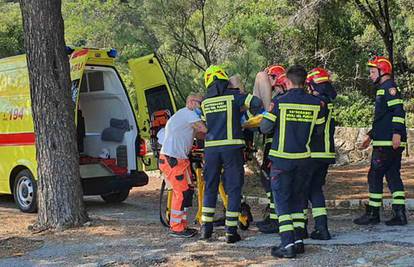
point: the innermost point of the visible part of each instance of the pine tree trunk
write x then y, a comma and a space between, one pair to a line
60, 199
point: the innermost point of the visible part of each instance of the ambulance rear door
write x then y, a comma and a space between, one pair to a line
153, 94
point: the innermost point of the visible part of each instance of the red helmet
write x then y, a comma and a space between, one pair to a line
318, 75
382, 64
279, 73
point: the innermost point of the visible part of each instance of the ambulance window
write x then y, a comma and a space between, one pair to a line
96, 81
158, 99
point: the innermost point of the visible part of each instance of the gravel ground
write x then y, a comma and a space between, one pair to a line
130, 234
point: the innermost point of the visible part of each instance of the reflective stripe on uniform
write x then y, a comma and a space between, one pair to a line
224, 142
298, 224
299, 106
270, 116
209, 210
380, 92
269, 140
205, 218
398, 201
175, 220
394, 102
324, 155
285, 228
284, 218
248, 100
231, 223
316, 212
374, 204
298, 215
232, 214
386, 143
320, 121
273, 216
288, 155
398, 194
176, 212
375, 195
398, 120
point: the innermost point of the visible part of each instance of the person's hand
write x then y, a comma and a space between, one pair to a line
396, 141
271, 106
366, 143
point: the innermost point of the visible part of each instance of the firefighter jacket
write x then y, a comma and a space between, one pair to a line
389, 116
221, 111
322, 143
293, 119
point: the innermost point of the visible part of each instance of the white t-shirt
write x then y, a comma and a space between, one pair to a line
179, 134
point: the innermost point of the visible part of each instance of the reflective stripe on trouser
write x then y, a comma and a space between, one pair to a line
288, 200
232, 218
298, 220
227, 165
178, 177
398, 198
207, 214
386, 162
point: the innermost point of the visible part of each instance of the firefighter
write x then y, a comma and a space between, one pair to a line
322, 151
277, 78
175, 165
389, 137
221, 110
292, 119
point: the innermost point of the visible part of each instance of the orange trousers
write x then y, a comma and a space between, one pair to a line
178, 174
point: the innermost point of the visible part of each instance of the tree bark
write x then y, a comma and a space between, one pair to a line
60, 199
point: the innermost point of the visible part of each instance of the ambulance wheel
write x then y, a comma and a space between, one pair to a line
117, 197
25, 191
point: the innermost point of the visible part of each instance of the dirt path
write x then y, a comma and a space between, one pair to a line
130, 234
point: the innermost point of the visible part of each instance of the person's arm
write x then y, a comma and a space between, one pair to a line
262, 89
268, 123
395, 105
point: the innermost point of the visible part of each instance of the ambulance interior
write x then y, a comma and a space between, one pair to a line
106, 128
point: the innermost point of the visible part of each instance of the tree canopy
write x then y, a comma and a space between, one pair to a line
243, 36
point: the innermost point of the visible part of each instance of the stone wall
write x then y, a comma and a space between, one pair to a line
347, 141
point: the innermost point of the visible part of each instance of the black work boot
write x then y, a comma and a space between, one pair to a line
321, 228
371, 216
270, 228
187, 233
206, 231
399, 217
232, 238
284, 252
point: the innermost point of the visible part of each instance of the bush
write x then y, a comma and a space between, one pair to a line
353, 110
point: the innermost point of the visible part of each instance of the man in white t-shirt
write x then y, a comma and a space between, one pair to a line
179, 135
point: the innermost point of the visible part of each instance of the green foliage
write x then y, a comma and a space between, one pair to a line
245, 36
11, 30
353, 110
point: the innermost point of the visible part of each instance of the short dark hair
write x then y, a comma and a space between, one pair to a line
297, 75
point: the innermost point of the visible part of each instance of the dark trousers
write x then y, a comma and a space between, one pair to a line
318, 170
288, 188
386, 162
231, 163
265, 180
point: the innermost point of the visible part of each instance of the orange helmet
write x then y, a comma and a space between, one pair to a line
382, 64
279, 73
318, 75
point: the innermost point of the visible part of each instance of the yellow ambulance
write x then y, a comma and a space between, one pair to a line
112, 132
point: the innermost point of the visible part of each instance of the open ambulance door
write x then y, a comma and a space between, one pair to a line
153, 94
77, 62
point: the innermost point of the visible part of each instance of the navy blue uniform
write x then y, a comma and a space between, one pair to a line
322, 155
389, 119
224, 149
293, 119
